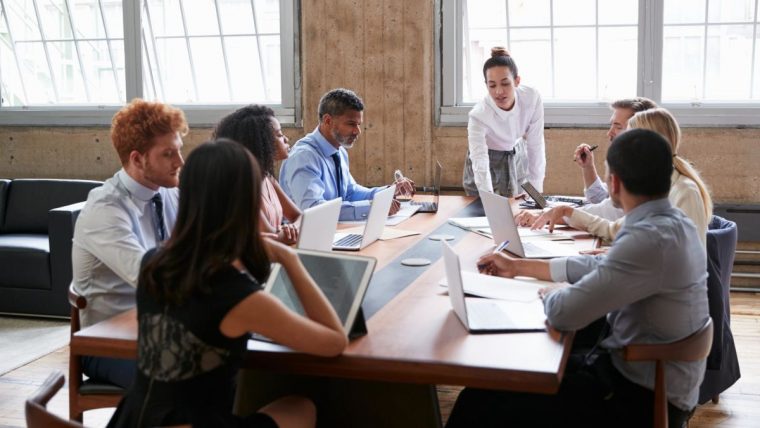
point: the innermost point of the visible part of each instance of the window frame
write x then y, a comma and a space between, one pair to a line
448, 69
287, 112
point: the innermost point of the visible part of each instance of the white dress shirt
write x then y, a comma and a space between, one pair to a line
114, 230
684, 194
596, 192
490, 127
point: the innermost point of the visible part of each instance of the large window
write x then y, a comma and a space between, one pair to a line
76, 61
700, 58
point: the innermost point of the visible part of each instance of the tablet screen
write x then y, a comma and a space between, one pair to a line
343, 279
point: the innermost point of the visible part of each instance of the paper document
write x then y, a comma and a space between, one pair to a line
406, 211
496, 287
469, 222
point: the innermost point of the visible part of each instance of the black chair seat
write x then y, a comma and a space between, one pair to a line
93, 387
27, 257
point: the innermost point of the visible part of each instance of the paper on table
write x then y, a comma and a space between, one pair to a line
469, 222
406, 211
388, 233
495, 287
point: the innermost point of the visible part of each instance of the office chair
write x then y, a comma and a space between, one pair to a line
37, 414
89, 394
692, 348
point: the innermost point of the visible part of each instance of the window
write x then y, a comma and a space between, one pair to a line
76, 61
699, 58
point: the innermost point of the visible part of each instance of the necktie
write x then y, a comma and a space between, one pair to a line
336, 159
158, 206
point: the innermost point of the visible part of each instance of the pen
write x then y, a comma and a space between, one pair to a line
497, 250
591, 149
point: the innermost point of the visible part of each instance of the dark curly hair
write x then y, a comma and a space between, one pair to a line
252, 127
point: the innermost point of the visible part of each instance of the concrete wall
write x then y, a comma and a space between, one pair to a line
384, 51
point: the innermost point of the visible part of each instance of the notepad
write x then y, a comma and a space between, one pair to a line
495, 287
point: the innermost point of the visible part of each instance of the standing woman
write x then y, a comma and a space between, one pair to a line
505, 132
255, 127
199, 297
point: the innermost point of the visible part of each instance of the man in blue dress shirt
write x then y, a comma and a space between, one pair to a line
652, 288
317, 168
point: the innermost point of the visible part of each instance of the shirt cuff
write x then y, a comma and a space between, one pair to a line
558, 269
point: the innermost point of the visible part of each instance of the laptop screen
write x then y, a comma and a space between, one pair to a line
342, 278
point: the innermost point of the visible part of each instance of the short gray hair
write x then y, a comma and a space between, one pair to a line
337, 101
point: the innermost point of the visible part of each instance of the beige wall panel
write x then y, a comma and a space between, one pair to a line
374, 101
313, 62
394, 121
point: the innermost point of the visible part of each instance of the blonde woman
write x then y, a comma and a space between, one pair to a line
688, 191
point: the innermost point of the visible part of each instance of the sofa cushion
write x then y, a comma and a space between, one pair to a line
25, 260
4, 183
29, 200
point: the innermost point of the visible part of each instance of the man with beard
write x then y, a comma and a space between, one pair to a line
132, 212
317, 168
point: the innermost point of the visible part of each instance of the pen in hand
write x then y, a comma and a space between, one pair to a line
591, 149
496, 250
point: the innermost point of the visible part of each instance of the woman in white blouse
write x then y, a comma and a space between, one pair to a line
687, 189
505, 132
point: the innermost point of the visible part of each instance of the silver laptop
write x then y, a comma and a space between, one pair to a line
543, 201
503, 228
432, 207
480, 315
378, 213
343, 278
318, 225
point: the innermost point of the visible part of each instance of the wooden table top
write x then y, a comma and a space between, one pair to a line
415, 338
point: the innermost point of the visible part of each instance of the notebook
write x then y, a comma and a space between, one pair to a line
343, 278
318, 225
480, 315
543, 201
378, 212
503, 228
432, 207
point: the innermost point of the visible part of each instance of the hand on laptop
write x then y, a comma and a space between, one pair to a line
404, 188
288, 234
498, 264
551, 217
395, 207
526, 218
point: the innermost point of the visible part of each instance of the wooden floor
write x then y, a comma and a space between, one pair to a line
739, 407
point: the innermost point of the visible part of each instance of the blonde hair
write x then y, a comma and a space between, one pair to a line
662, 121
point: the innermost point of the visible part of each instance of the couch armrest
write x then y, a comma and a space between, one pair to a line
61, 223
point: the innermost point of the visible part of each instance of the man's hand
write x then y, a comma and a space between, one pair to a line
404, 189
498, 264
288, 234
583, 156
551, 217
395, 207
525, 218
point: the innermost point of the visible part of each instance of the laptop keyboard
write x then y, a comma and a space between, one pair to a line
483, 313
576, 201
426, 206
352, 240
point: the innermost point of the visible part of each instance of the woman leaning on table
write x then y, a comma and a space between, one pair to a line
505, 132
687, 189
199, 297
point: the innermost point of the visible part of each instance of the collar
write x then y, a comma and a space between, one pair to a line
323, 145
503, 114
643, 210
134, 188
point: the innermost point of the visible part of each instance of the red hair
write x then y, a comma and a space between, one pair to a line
137, 124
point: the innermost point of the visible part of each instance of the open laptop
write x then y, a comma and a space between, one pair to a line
432, 207
378, 212
343, 278
542, 201
503, 228
480, 315
318, 225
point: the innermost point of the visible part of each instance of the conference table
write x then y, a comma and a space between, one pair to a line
414, 341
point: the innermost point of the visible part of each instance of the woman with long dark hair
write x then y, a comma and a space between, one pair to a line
199, 296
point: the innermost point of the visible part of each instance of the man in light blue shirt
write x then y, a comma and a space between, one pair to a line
132, 212
317, 168
652, 288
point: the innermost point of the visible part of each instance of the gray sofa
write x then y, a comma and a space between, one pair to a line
36, 227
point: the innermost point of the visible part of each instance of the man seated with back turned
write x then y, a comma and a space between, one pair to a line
317, 168
652, 287
132, 212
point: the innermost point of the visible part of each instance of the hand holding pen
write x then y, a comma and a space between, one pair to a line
497, 263
582, 152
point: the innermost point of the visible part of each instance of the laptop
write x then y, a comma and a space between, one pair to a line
503, 228
343, 278
378, 213
480, 315
432, 207
542, 201
318, 225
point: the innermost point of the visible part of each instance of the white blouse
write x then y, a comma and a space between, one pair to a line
490, 127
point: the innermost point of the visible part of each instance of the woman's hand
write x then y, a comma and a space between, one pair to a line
288, 234
525, 218
279, 252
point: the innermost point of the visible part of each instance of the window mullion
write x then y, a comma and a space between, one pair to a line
196, 94
551, 46
132, 49
649, 83
4, 11
258, 45
224, 50
110, 48
69, 14
149, 20
704, 56
45, 49
754, 55
467, 53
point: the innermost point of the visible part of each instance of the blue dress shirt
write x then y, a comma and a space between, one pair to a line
308, 177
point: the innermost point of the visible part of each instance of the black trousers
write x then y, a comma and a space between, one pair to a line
592, 394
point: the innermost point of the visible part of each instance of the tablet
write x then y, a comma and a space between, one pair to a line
342, 278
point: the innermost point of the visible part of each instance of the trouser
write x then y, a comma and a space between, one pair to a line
592, 394
499, 166
116, 371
